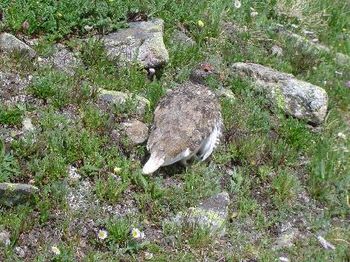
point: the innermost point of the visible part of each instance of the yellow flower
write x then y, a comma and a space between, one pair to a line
59, 14
102, 234
55, 250
117, 170
200, 23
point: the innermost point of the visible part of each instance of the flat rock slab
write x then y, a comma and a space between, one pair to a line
295, 97
120, 99
141, 42
136, 131
10, 43
13, 194
210, 214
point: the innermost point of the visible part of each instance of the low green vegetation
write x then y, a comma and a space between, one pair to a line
278, 170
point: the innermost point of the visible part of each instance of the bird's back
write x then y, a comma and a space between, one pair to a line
183, 118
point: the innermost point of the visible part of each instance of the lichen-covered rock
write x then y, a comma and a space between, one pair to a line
13, 194
136, 131
4, 238
286, 239
211, 214
62, 59
315, 49
120, 99
27, 125
225, 93
13, 88
141, 42
10, 43
295, 97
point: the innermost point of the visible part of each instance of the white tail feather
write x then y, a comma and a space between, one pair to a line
152, 165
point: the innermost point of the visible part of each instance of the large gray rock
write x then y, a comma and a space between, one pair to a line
9, 43
295, 97
120, 99
142, 42
211, 214
13, 194
136, 131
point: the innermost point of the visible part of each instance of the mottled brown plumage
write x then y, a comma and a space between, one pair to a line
187, 121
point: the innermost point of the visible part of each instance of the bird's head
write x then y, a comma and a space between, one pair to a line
202, 72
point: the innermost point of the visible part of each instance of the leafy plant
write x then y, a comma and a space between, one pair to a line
9, 167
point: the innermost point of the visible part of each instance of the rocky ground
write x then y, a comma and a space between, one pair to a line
77, 93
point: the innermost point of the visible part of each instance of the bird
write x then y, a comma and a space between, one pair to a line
187, 122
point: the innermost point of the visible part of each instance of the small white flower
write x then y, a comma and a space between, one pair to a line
148, 255
102, 234
137, 234
254, 14
56, 250
237, 4
341, 135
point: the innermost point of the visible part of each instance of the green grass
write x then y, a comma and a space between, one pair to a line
277, 169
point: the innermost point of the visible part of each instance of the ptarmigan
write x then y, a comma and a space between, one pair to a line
187, 122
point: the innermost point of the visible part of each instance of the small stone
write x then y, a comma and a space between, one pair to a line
234, 215
342, 59
20, 252
226, 93
88, 27
13, 194
25, 25
27, 125
277, 50
73, 175
325, 243
180, 38
286, 239
136, 131
119, 99
5, 238
210, 214
283, 259
10, 43
347, 84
